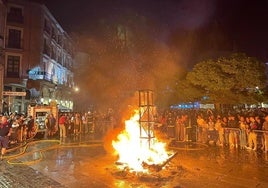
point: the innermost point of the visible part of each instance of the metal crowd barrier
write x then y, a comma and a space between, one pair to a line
261, 136
233, 129
210, 134
260, 131
237, 135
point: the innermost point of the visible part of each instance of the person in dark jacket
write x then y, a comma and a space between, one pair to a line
5, 132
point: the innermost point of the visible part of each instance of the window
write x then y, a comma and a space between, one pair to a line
14, 38
7, 88
13, 66
15, 15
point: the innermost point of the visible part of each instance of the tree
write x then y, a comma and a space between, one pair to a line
237, 78
187, 92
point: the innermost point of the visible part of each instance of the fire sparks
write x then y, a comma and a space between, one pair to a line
134, 151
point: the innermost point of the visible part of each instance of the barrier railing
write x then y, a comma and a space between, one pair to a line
233, 129
260, 131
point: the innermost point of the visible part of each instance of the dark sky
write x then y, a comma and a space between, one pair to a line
245, 22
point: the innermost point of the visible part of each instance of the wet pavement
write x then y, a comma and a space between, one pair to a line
82, 161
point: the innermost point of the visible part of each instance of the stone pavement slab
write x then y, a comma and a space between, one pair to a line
22, 176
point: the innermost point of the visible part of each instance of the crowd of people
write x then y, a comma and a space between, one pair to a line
17, 128
85, 123
247, 129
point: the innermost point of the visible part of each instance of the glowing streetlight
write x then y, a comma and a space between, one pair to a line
76, 89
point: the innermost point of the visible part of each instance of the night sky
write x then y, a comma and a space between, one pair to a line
244, 23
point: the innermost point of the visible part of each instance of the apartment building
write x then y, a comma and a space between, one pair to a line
38, 58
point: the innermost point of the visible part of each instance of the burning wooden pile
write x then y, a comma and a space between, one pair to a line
134, 153
157, 175
158, 167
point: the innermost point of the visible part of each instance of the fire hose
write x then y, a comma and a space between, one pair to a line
56, 144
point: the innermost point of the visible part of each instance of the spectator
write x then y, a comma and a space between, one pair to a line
21, 128
252, 137
265, 128
53, 124
259, 135
220, 130
48, 126
226, 131
201, 125
62, 122
14, 133
180, 128
243, 128
90, 122
212, 133
77, 123
84, 123
204, 133
30, 126
233, 135
5, 132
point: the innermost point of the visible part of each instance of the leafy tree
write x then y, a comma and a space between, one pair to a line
187, 92
231, 79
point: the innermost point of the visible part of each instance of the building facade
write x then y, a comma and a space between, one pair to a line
38, 58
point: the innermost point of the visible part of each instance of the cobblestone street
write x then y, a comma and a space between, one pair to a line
24, 176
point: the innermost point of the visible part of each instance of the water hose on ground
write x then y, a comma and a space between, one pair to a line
57, 144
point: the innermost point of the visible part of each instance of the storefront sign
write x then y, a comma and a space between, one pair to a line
14, 93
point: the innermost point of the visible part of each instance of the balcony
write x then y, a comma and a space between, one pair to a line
37, 75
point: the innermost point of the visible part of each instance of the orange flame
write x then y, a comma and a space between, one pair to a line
134, 151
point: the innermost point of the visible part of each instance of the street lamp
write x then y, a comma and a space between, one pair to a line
76, 89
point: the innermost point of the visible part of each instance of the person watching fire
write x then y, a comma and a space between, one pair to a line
5, 132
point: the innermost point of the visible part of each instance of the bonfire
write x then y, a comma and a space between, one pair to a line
134, 151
